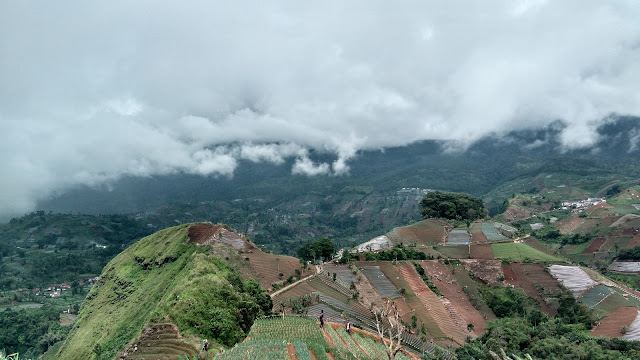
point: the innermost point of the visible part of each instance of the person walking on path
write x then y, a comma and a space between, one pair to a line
348, 326
205, 345
321, 318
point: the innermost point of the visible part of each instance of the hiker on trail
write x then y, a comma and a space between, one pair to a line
348, 326
321, 318
205, 345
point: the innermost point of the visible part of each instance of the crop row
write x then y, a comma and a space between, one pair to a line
257, 350
289, 328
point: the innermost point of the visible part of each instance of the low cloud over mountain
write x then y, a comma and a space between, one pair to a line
94, 91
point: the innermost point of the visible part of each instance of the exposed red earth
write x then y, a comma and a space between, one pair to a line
611, 326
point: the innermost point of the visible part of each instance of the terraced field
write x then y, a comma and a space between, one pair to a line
477, 236
454, 251
434, 305
301, 289
458, 237
595, 295
594, 246
161, 342
572, 277
470, 288
268, 267
481, 251
383, 286
297, 338
611, 326
520, 252
425, 232
461, 309
491, 232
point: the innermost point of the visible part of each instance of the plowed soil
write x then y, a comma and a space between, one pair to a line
476, 234
534, 281
568, 226
481, 251
204, 233
635, 241
451, 289
611, 325
434, 305
509, 275
426, 232
594, 246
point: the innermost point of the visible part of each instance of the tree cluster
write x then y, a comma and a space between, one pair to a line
630, 254
454, 206
522, 330
320, 249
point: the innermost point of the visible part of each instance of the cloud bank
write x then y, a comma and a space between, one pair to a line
93, 91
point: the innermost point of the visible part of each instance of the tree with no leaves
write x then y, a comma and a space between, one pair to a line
390, 334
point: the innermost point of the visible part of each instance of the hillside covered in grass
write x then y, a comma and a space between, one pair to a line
167, 278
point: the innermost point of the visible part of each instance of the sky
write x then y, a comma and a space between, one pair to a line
93, 91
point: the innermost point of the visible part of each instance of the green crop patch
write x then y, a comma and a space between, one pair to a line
522, 252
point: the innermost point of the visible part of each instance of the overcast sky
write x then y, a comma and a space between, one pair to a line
94, 90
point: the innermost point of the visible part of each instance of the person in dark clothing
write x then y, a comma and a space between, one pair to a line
321, 318
348, 326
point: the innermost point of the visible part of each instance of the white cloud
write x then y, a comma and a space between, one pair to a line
94, 91
304, 166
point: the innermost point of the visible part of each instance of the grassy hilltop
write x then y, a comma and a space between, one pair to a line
166, 278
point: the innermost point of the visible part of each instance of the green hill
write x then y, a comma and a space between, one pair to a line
167, 278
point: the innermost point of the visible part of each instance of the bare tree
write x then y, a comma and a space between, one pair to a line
390, 334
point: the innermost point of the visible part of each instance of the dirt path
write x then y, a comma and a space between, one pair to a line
291, 350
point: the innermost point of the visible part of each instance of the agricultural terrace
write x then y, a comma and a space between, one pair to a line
458, 237
521, 252
462, 310
470, 288
268, 267
613, 302
594, 246
572, 277
625, 266
481, 251
536, 282
296, 338
425, 232
454, 251
634, 330
440, 314
595, 295
477, 236
383, 286
491, 232
611, 326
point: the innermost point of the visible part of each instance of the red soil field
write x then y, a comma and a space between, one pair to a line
442, 278
509, 275
434, 305
426, 232
611, 325
534, 280
481, 251
594, 246
204, 233
635, 241
269, 266
476, 234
